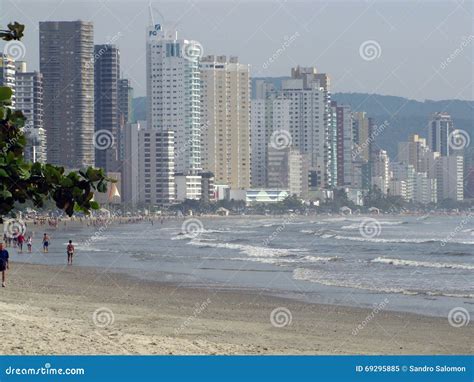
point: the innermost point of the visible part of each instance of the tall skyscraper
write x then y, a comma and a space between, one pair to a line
125, 96
345, 144
225, 107
29, 99
174, 94
174, 99
381, 170
67, 65
439, 129
131, 166
125, 117
106, 108
362, 131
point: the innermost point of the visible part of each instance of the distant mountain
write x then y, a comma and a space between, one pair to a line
405, 116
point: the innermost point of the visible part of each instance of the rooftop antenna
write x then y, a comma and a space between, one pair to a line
152, 10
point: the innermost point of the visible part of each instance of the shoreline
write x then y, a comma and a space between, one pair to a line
82, 310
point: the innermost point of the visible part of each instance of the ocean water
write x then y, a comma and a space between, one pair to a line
423, 265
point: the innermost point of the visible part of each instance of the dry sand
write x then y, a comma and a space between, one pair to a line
50, 310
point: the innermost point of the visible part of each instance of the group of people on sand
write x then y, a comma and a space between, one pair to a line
18, 242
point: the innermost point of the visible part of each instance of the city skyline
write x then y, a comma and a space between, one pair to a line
379, 42
200, 128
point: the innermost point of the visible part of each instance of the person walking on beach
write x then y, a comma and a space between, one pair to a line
45, 243
29, 243
70, 252
21, 240
4, 263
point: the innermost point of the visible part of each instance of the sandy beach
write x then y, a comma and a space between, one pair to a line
81, 310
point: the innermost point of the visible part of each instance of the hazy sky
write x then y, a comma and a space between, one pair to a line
397, 48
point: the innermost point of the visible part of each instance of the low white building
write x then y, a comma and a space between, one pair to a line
188, 187
266, 196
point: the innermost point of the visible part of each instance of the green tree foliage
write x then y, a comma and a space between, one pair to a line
22, 181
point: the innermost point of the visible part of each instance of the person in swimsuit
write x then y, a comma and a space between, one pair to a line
29, 243
20, 239
70, 252
45, 243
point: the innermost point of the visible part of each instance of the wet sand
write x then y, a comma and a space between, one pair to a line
78, 310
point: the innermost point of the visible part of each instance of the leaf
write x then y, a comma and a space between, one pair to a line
5, 93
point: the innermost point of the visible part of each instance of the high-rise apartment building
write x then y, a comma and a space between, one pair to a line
288, 170
413, 152
362, 131
308, 92
439, 129
269, 115
450, 177
106, 113
174, 98
225, 120
125, 96
67, 65
174, 94
344, 144
7, 74
131, 166
29, 99
381, 170
406, 173
155, 166
424, 189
